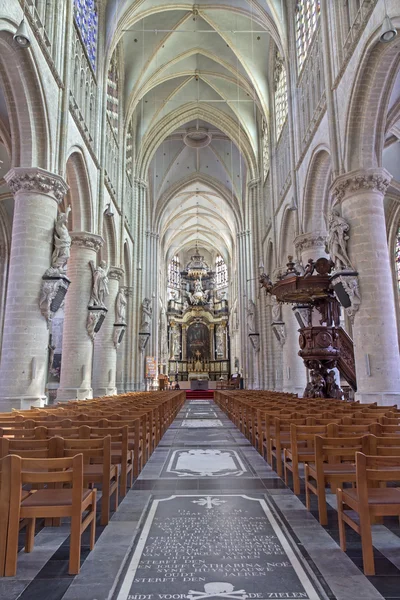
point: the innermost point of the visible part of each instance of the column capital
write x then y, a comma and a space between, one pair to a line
115, 273
313, 239
362, 180
34, 179
84, 239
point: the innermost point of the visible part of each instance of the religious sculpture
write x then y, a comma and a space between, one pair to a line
146, 316
251, 317
266, 283
199, 296
276, 310
176, 342
62, 242
99, 285
120, 307
336, 242
220, 337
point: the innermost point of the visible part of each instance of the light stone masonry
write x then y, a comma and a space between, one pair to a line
76, 371
23, 368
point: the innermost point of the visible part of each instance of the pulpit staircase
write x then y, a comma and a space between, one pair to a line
346, 363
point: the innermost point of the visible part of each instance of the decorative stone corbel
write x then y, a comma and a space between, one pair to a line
255, 341
118, 335
96, 316
280, 332
347, 291
52, 294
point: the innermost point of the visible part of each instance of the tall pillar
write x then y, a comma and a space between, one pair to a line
311, 245
184, 342
105, 352
376, 348
294, 371
77, 350
124, 379
23, 368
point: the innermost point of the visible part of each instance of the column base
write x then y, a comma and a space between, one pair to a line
104, 391
21, 402
381, 398
65, 394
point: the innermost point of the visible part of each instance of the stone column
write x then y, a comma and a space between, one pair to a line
77, 350
105, 352
311, 245
294, 371
23, 368
124, 379
376, 348
212, 345
184, 342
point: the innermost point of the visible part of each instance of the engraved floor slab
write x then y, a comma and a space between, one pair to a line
205, 462
192, 423
208, 547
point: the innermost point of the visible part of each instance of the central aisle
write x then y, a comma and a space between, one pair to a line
214, 521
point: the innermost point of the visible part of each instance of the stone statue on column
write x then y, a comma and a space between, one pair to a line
251, 317
100, 284
220, 337
176, 343
146, 316
55, 283
336, 242
120, 307
62, 242
276, 310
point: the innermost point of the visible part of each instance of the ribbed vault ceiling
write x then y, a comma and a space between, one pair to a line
209, 60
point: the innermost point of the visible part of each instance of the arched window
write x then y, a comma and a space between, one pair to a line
307, 15
113, 92
129, 150
221, 272
397, 258
174, 273
86, 19
281, 99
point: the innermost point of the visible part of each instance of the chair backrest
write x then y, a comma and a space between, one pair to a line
305, 435
29, 448
50, 470
93, 450
339, 449
371, 470
385, 445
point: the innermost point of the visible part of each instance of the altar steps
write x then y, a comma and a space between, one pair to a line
199, 394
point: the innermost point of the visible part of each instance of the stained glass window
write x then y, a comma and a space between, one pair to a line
113, 92
174, 273
129, 150
221, 272
281, 99
86, 18
398, 258
307, 15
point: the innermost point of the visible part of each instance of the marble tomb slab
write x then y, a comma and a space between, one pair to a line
212, 548
205, 462
192, 423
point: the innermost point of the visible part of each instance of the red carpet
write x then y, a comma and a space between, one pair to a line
199, 394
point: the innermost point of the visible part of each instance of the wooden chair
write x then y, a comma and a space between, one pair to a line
97, 468
300, 450
369, 501
280, 439
333, 464
120, 453
44, 503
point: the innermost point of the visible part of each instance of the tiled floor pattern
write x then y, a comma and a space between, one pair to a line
203, 466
